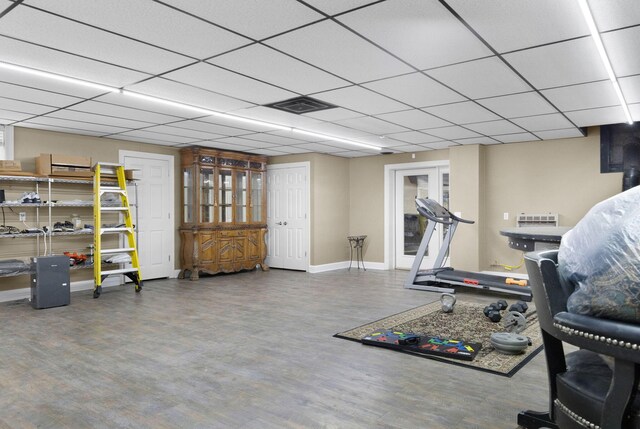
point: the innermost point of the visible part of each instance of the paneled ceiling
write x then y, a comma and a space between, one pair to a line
406, 75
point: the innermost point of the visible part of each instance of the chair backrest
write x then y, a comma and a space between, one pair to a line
550, 293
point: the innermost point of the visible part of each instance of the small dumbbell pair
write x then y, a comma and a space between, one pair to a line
492, 311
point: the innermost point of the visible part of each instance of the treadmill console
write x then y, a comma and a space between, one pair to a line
432, 210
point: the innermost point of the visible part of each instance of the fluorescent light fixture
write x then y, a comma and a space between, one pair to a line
199, 110
53, 76
595, 34
335, 139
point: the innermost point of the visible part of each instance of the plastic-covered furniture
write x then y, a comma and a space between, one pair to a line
596, 385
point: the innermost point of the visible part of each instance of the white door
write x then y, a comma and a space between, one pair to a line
409, 225
152, 211
287, 217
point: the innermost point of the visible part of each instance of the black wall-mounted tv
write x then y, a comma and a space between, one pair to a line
619, 147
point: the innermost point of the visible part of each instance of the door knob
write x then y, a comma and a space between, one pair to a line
285, 223
278, 223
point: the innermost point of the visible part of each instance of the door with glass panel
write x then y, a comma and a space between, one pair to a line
409, 225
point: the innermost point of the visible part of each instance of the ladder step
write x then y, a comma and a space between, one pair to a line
120, 271
114, 209
111, 189
111, 230
122, 250
109, 164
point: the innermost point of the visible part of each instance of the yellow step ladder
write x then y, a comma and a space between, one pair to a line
127, 228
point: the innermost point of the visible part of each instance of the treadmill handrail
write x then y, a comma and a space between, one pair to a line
435, 212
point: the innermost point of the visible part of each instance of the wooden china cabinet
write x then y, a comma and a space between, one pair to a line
224, 211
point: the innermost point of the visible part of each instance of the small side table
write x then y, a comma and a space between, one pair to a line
356, 242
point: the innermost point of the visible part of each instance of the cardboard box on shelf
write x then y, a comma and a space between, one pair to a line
10, 165
49, 164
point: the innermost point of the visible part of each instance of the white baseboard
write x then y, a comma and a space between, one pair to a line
25, 293
174, 274
344, 265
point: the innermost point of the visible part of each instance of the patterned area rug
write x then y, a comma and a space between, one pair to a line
466, 322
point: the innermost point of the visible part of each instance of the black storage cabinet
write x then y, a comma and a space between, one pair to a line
50, 281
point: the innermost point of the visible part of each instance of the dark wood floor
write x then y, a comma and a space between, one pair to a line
250, 350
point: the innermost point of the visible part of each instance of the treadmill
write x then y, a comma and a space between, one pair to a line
437, 278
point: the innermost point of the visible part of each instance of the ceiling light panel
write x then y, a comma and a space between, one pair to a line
108, 14
585, 96
410, 29
518, 105
50, 60
603, 115
494, 127
361, 100
414, 119
567, 63
271, 66
340, 52
487, 77
35, 95
535, 22
335, 7
59, 33
415, 89
552, 121
256, 19
462, 113
224, 82
451, 133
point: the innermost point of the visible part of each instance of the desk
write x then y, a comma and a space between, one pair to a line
530, 238
356, 243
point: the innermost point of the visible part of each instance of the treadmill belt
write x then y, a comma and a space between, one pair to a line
481, 279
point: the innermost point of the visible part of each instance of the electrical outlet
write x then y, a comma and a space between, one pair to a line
506, 215
22, 217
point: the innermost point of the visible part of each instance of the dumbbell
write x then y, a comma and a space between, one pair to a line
492, 311
520, 307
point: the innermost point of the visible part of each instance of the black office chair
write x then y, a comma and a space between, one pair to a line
584, 392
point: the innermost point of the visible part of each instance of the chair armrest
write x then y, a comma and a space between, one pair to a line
618, 339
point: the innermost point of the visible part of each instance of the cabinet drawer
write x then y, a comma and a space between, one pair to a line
231, 234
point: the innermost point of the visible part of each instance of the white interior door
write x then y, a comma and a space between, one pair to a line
409, 225
152, 211
287, 217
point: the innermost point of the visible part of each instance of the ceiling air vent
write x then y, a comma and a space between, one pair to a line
300, 105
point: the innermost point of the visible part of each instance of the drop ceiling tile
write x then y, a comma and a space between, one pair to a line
8, 116
462, 113
31, 82
274, 116
559, 134
487, 77
413, 137
146, 105
334, 130
334, 114
50, 60
494, 127
518, 137
478, 140
292, 149
232, 123
414, 119
454, 132
361, 100
534, 23
256, 19
387, 143
31, 95
183, 132
442, 145
223, 146
567, 63
76, 125
211, 128
151, 135
272, 139
267, 152
61, 129
146, 140
212, 78
319, 147
514, 106
635, 111
108, 14
269, 65
245, 143
108, 109
99, 119
340, 52
334, 7
619, 44
409, 29
610, 15
415, 89
24, 107
585, 96
552, 121
175, 91
630, 88
412, 148
600, 116
371, 125
59, 33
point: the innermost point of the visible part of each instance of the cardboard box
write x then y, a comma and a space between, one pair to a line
10, 165
49, 164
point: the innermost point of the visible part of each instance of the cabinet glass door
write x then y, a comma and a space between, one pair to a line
206, 195
187, 195
257, 181
225, 196
241, 196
